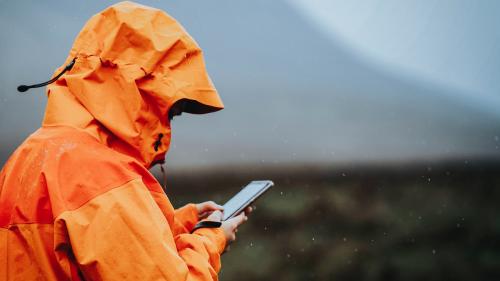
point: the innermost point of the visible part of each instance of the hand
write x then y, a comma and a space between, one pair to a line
230, 226
206, 208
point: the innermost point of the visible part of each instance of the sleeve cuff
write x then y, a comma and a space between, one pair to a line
216, 235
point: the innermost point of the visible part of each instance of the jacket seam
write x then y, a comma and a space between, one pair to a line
73, 209
93, 197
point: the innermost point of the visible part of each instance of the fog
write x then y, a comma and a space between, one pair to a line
302, 82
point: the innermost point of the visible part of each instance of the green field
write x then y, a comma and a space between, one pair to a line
386, 223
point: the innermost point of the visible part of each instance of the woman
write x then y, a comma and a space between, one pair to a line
77, 201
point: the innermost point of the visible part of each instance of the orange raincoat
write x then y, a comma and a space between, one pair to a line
77, 201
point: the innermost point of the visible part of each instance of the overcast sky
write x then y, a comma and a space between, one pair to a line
302, 80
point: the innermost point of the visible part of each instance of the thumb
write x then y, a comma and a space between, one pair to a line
215, 216
239, 219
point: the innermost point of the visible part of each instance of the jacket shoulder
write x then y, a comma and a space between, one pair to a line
81, 168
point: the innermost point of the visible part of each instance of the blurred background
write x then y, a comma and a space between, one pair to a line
379, 122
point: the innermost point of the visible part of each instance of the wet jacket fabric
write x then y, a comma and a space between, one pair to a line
77, 201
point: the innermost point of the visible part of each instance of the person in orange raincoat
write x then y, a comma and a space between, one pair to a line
77, 201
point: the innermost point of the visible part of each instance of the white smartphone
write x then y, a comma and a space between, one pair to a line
245, 198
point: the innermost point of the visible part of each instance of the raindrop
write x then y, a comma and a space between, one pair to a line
420, 217
458, 225
288, 256
281, 193
345, 239
343, 174
356, 250
312, 239
433, 251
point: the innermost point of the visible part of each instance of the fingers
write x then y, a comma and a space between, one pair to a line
212, 206
208, 206
238, 220
215, 216
203, 215
231, 225
249, 209
232, 237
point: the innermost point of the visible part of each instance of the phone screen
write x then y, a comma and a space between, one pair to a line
245, 197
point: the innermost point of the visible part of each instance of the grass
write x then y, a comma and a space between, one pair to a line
378, 224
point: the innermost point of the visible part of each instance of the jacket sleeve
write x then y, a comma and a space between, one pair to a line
186, 218
123, 235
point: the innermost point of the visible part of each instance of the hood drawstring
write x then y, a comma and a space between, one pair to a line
24, 88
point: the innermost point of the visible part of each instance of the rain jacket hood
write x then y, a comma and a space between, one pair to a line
77, 201
132, 64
